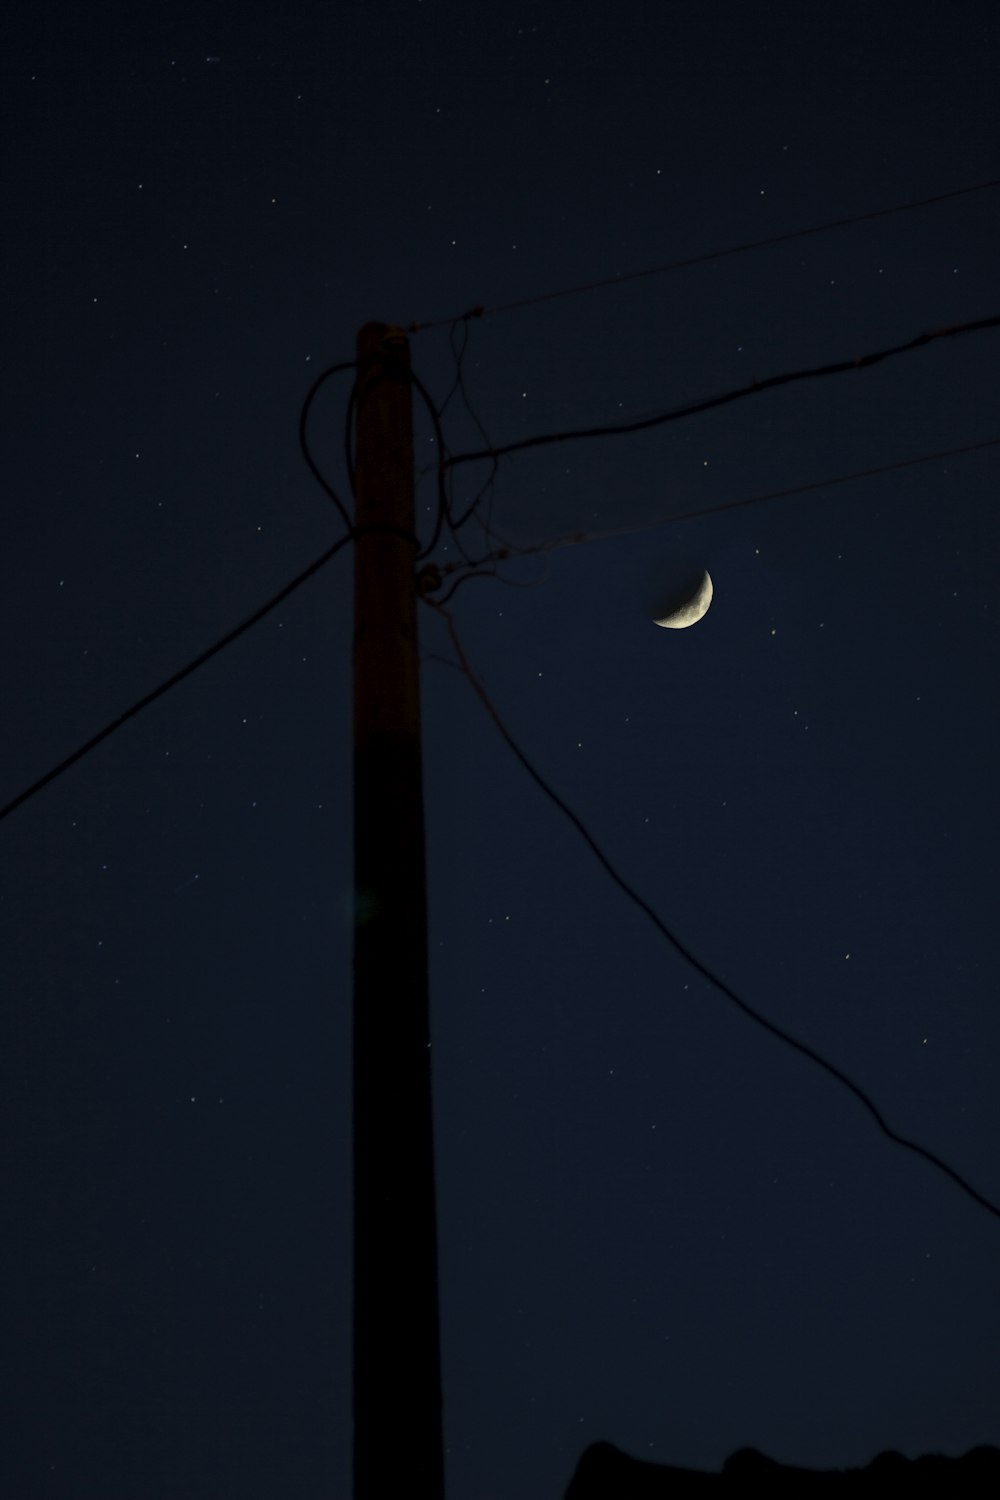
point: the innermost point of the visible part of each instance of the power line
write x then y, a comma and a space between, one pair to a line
509, 551
839, 367
313, 392
782, 494
823, 484
698, 260
689, 957
164, 687
579, 538
234, 634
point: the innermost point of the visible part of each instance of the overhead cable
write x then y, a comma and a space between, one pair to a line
756, 387
710, 255
164, 687
696, 963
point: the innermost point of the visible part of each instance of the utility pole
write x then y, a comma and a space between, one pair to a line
398, 1443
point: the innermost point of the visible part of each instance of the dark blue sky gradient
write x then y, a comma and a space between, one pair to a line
659, 1226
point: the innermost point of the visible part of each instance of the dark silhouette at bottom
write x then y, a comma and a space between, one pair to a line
606, 1473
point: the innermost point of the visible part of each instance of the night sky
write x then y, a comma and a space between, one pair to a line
659, 1225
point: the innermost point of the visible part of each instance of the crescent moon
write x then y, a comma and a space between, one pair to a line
691, 612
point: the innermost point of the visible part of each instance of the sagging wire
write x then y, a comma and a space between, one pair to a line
433, 575
318, 475
681, 948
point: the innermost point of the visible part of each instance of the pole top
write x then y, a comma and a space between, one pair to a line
386, 334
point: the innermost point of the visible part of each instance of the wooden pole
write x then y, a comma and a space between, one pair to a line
398, 1445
